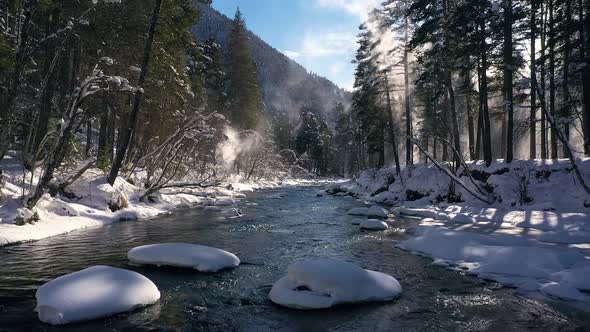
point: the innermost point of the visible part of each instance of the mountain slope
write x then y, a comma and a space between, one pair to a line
286, 86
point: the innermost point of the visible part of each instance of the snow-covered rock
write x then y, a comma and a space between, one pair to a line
374, 225
377, 212
357, 221
224, 201
95, 292
323, 283
201, 258
361, 211
422, 213
461, 218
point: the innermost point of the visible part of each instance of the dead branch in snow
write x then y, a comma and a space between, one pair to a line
450, 174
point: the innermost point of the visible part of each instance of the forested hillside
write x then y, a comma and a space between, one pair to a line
286, 86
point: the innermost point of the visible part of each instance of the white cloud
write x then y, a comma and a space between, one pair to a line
328, 44
356, 7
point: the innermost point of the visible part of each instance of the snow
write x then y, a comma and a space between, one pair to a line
201, 258
92, 196
510, 260
377, 212
362, 211
357, 221
541, 247
374, 225
324, 283
95, 292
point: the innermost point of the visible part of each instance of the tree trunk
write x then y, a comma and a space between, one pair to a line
544, 142
469, 111
554, 152
566, 112
126, 135
409, 134
483, 93
533, 115
585, 50
9, 97
391, 128
508, 80
88, 147
480, 125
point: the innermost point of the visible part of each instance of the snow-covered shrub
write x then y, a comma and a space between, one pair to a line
522, 178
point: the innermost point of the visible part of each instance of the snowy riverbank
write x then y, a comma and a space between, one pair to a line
542, 247
93, 200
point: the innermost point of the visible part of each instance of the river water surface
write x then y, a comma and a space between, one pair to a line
272, 234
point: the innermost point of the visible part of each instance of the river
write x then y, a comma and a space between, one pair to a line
271, 234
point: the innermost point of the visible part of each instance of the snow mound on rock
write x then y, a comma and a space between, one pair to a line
224, 201
377, 212
323, 283
95, 292
362, 211
374, 225
201, 258
461, 218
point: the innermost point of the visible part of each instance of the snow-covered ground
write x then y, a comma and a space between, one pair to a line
541, 247
93, 197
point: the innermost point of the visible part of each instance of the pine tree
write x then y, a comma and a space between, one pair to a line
246, 107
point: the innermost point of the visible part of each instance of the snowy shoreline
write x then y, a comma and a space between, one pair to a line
90, 208
541, 248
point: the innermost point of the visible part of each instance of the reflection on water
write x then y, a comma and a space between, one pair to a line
278, 227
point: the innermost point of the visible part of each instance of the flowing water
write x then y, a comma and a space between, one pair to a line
272, 234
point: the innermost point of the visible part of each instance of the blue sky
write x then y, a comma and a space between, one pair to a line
318, 34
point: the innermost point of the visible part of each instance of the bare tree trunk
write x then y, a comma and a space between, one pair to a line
126, 135
390, 126
544, 142
469, 111
533, 115
88, 147
566, 112
8, 99
487, 131
449, 84
409, 134
480, 124
554, 152
584, 51
508, 80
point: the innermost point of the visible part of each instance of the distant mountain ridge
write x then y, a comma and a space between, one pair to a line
286, 85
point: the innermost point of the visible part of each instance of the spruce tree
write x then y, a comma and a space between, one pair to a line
246, 106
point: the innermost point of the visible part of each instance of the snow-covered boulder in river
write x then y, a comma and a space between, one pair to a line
323, 283
224, 201
357, 221
377, 212
198, 257
95, 292
374, 225
361, 211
